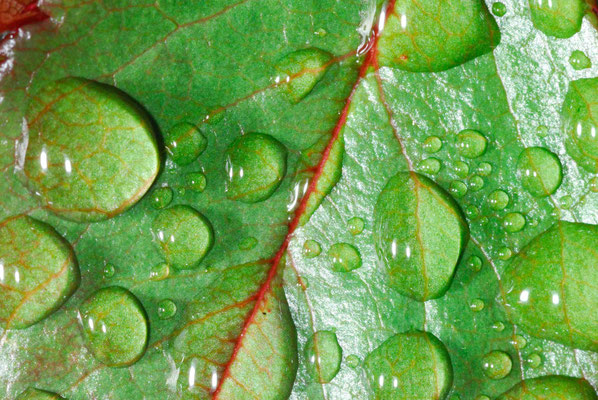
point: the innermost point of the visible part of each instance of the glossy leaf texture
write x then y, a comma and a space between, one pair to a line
235, 321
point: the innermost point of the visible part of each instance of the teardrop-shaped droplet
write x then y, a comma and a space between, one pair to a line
159, 271
38, 394
551, 387
311, 248
432, 144
301, 70
323, 355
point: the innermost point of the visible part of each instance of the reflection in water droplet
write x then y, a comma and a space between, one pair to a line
559, 18
498, 326
504, 253
345, 257
566, 202
323, 355
432, 144
109, 270
513, 222
594, 184
353, 361
429, 166
472, 211
311, 248
248, 243
185, 143
499, 9
458, 189
497, 364
356, 225
519, 341
115, 326
461, 169
534, 360
476, 183
301, 70
159, 271
477, 305
166, 309
471, 144
484, 169
475, 263
498, 200
540, 171
577, 115
195, 181
161, 197
579, 60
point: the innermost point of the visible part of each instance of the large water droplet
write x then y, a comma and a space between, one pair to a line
115, 326
301, 70
323, 355
38, 271
184, 235
579, 60
162, 197
558, 18
436, 36
471, 144
413, 365
497, 364
345, 257
540, 171
185, 143
38, 394
255, 166
548, 285
551, 387
415, 220
578, 116
92, 152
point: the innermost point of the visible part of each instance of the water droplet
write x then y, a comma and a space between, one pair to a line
498, 326
184, 235
432, 144
594, 184
484, 169
471, 144
162, 197
391, 375
477, 305
504, 253
534, 360
195, 181
519, 342
301, 70
461, 169
185, 143
166, 309
482, 397
559, 18
344, 257
248, 243
411, 203
323, 355
475, 263
38, 394
497, 364
551, 387
159, 271
499, 9
471, 35
458, 189
579, 108
38, 271
109, 270
542, 131
566, 202
498, 200
356, 225
513, 222
321, 32
352, 361
472, 211
255, 166
579, 60
430, 166
115, 326
68, 120
540, 171
476, 183
311, 248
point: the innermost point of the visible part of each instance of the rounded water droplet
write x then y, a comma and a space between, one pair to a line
476, 183
513, 222
255, 166
320, 32
484, 169
184, 236
471, 143
461, 169
519, 341
504, 253
352, 361
458, 189
195, 181
498, 326
540, 171
430, 166
159, 271
551, 387
109, 270
475, 263
311, 248
579, 60
499, 9
356, 225
92, 152
566, 202
534, 360
498, 200
185, 143
166, 309
477, 305
578, 120
472, 211
38, 394
432, 144
248, 243
497, 364
38, 271
115, 326
345, 257
162, 197
323, 355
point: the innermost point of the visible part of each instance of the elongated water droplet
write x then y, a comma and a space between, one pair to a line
498, 200
344, 257
38, 394
301, 70
497, 364
109, 270
551, 387
498, 326
432, 144
540, 171
594, 185
578, 116
499, 9
323, 355
471, 143
185, 143
430, 166
162, 197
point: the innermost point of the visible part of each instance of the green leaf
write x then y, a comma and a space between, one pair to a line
327, 82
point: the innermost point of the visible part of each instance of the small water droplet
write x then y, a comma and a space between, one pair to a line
499, 9
461, 169
323, 355
162, 197
159, 271
519, 341
352, 361
513, 222
195, 181
579, 60
542, 131
166, 309
476, 183
594, 184
498, 326
355, 225
471, 143
497, 364
475, 263
301, 70
534, 360
458, 189
311, 248
345, 257
185, 143
472, 211
484, 169
321, 32
498, 200
109, 270
248, 243
505, 253
477, 305
432, 144
430, 166
566, 202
